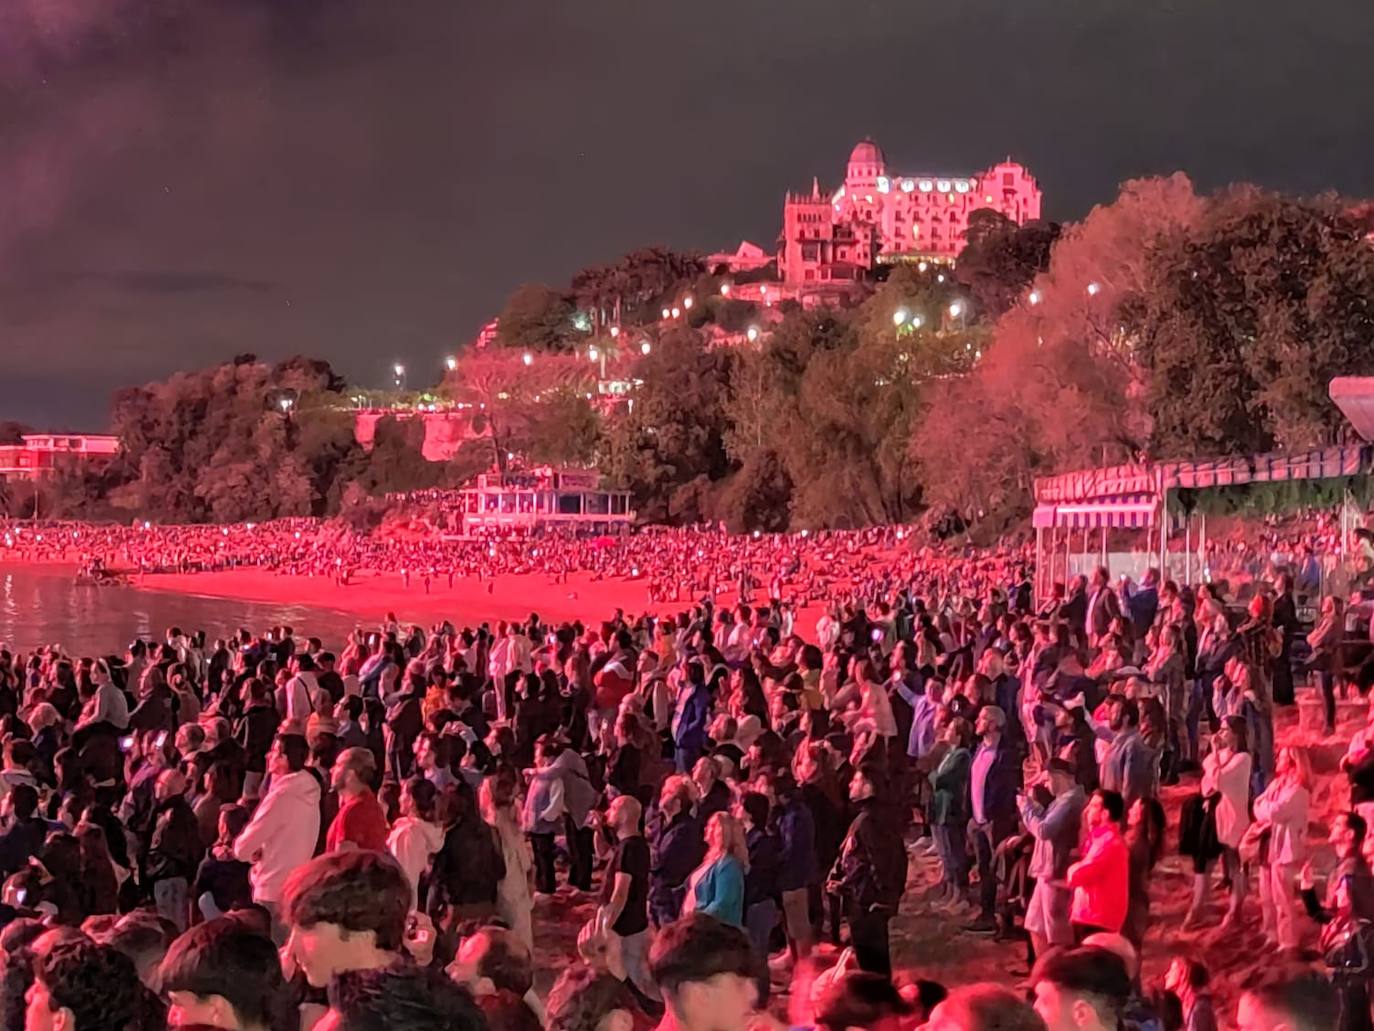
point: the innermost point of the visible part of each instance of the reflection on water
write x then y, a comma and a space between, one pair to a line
39, 608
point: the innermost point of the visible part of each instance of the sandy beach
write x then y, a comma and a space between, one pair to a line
369, 596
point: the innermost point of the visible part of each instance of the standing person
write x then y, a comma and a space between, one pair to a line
1100, 881
624, 908
870, 875
799, 871
1226, 778
1055, 829
543, 816
468, 868
514, 905
360, 821
716, 886
675, 839
691, 713
1145, 826
285, 827
949, 813
1102, 608
1284, 806
416, 835
1327, 659
760, 881
994, 778
1128, 764
1288, 627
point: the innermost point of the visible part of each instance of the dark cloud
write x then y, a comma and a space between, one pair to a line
152, 281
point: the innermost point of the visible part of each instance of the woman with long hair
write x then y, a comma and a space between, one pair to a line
1226, 786
1145, 827
1284, 807
498, 802
716, 886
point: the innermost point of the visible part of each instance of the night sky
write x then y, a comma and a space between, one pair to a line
366, 180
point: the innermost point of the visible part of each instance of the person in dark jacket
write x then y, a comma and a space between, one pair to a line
1286, 623
761, 880
175, 850
24, 831
796, 831
256, 731
691, 712
677, 845
468, 868
994, 779
870, 875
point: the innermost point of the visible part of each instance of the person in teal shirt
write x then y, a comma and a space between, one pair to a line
716, 887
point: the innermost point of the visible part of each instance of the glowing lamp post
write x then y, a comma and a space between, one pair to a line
527, 358
900, 317
595, 354
725, 289
1094, 289
399, 372
645, 348
451, 362
753, 334
1034, 297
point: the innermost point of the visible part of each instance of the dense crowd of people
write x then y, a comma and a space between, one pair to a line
266, 832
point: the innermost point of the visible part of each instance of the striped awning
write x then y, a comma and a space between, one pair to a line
1128, 511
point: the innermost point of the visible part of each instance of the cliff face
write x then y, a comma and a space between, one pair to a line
444, 431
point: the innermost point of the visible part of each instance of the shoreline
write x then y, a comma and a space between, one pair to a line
369, 597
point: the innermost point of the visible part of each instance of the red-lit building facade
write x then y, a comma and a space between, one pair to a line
43, 454
878, 216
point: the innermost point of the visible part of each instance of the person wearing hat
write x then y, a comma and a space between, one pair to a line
1054, 826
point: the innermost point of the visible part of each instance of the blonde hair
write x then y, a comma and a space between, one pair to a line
731, 838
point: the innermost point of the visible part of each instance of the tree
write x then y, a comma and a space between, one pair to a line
1001, 259
1256, 311
514, 402
536, 318
671, 442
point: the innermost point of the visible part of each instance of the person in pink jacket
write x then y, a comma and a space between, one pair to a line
1101, 880
1284, 807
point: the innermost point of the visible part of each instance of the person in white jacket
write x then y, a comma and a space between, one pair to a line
1284, 806
1226, 773
285, 828
415, 837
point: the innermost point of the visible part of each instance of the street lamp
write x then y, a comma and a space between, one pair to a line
1034, 297
752, 334
687, 303
955, 310
286, 404
666, 313
400, 372
645, 347
677, 312
615, 332
451, 362
527, 358
1093, 289
595, 354
900, 316
725, 289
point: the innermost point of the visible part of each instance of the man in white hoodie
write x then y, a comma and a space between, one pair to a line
285, 828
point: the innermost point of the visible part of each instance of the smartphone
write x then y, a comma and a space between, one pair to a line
161, 740
126, 743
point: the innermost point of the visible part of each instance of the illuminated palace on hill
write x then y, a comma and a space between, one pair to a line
881, 217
